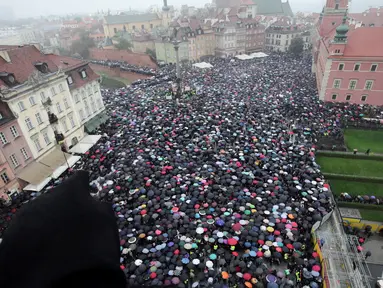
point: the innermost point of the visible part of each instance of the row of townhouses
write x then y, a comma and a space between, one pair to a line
48, 103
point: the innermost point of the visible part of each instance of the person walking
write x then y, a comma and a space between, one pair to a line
368, 151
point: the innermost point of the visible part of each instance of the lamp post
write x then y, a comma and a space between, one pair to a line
176, 45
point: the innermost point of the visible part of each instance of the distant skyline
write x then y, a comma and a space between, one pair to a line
24, 8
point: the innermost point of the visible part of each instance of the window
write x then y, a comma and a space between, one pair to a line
76, 98
14, 161
83, 74
21, 106
24, 153
374, 67
348, 97
92, 104
333, 97
368, 85
287, 42
95, 88
37, 144
61, 88
83, 94
70, 80
3, 138
29, 124
364, 98
66, 104
64, 125
337, 83
87, 110
352, 84
337, 51
99, 105
42, 95
82, 115
59, 110
71, 120
53, 91
341, 67
356, 67
90, 90
4, 177
336, 6
46, 138
38, 118
32, 101
14, 131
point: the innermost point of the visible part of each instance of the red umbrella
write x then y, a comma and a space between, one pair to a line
278, 249
290, 246
316, 268
232, 242
361, 240
261, 242
277, 233
235, 253
259, 254
315, 254
237, 227
294, 224
247, 276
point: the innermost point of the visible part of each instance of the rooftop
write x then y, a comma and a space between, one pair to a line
121, 19
357, 39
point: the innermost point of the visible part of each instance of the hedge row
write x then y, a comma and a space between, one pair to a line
355, 178
357, 205
338, 154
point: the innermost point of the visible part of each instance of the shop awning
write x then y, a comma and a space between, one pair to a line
85, 144
95, 122
35, 173
39, 187
71, 160
54, 159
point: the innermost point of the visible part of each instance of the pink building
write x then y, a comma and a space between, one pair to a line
14, 151
348, 61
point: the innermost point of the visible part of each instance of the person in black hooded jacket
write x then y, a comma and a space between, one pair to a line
64, 238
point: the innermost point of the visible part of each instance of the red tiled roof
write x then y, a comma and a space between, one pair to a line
365, 41
371, 16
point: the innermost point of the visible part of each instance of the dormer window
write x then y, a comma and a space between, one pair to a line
70, 80
8, 78
83, 74
42, 67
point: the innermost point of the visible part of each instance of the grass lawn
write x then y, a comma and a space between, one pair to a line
364, 139
356, 188
113, 82
368, 168
371, 215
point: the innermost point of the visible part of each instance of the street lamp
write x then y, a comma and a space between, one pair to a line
176, 45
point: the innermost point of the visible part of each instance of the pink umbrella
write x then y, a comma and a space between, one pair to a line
360, 248
237, 227
259, 254
288, 226
316, 268
294, 224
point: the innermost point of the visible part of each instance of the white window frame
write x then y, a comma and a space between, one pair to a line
350, 97
70, 80
76, 98
337, 83
14, 131
21, 106
83, 74
90, 91
350, 86
332, 96
376, 69
3, 138
58, 107
53, 91
38, 118
14, 160
61, 88
340, 65
42, 95
82, 114
29, 123
357, 64
32, 100
361, 98
4, 176
47, 140
66, 104
37, 144
71, 120
24, 153
369, 83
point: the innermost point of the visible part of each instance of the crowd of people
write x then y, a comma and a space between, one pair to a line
126, 67
220, 189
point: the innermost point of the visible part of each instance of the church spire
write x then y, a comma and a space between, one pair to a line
341, 31
165, 7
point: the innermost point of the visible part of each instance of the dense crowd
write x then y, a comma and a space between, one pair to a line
221, 189
126, 67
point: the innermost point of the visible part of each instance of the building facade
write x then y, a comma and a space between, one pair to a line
166, 53
143, 42
348, 62
255, 36
230, 38
280, 34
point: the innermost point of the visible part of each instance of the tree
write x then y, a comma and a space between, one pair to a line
82, 45
296, 46
123, 44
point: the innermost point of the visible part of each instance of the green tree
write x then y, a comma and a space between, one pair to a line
82, 45
123, 44
296, 46
151, 53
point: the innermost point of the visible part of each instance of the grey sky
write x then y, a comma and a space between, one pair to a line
26, 8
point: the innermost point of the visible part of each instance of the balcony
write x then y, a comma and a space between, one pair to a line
47, 102
59, 137
52, 118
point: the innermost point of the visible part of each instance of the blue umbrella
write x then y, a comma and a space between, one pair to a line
220, 222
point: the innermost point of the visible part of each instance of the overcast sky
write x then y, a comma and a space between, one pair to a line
26, 8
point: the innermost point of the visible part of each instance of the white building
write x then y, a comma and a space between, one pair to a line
280, 34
